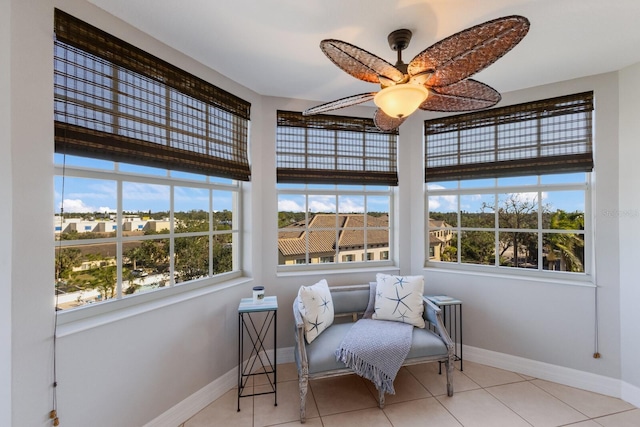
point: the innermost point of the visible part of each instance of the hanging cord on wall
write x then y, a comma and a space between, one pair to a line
596, 349
596, 353
53, 415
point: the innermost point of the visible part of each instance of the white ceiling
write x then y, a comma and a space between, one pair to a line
272, 46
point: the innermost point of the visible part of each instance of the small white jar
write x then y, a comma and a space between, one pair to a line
258, 294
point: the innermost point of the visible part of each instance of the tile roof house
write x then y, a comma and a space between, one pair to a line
293, 239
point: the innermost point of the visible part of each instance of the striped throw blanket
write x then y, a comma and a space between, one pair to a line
376, 349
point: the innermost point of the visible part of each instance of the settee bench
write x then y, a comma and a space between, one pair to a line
318, 360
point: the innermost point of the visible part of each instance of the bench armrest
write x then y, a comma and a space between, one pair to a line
300, 351
433, 315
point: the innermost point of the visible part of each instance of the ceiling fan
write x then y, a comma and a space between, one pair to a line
436, 79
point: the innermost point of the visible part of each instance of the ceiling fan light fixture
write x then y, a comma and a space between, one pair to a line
401, 100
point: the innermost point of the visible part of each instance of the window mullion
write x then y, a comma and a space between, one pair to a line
119, 235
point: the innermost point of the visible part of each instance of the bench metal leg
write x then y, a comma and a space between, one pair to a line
381, 399
449, 368
304, 385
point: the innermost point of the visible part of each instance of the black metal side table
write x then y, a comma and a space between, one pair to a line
257, 334
452, 316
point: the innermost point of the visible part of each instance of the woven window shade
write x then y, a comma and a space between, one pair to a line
535, 138
116, 102
326, 149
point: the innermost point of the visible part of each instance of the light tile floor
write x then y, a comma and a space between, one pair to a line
484, 397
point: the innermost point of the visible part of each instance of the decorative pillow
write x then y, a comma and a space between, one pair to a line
399, 298
316, 307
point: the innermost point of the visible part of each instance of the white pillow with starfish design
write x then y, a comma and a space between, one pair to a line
316, 307
399, 298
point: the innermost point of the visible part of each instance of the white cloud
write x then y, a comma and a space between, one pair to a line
321, 205
141, 191
289, 206
440, 203
350, 205
78, 206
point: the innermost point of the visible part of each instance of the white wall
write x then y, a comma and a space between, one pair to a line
629, 217
126, 372
5, 214
31, 184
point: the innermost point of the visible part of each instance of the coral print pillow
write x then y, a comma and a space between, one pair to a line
316, 308
399, 298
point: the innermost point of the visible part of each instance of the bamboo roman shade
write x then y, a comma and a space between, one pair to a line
543, 137
114, 101
334, 150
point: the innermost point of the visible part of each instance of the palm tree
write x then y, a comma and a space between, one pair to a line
566, 246
105, 282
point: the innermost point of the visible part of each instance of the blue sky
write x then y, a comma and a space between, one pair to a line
567, 200
94, 195
97, 195
327, 203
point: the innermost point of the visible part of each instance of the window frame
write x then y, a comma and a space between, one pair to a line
587, 276
121, 301
337, 191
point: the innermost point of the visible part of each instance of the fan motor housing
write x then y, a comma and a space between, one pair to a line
399, 39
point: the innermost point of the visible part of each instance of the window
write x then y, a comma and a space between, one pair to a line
172, 231
148, 163
335, 187
487, 206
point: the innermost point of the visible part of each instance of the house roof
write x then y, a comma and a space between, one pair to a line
292, 239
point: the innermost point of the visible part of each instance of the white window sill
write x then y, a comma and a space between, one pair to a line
542, 277
314, 270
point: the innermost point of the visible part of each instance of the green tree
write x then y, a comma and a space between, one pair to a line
519, 213
286, 218
131, 278
450, 251
191, 257
478, 247
104, 281
568, 247
66, 259
222, 254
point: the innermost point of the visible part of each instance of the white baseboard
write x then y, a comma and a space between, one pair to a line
631, 394
545, 371
193, 404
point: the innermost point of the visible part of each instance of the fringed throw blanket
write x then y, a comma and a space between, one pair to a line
376, 349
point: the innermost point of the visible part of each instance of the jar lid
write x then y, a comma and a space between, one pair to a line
258, 288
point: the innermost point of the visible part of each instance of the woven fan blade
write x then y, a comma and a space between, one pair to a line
340, 103
469, 51
467, 95
358, 62
385, 122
